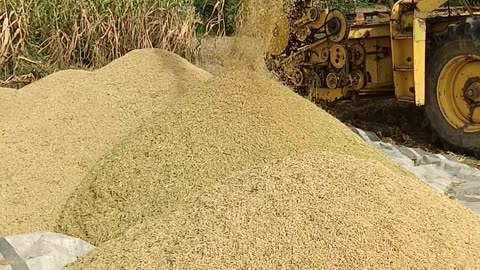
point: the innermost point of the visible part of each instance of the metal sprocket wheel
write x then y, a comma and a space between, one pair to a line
336, 26
359, 54
358, 80
332, 80
338, 56
324, 55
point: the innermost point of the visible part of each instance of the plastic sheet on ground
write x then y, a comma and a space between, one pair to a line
442, 173
40, 251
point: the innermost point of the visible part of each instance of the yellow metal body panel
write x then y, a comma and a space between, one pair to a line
378, 65
419, 58
385, 72
402, 64
429, 5
376, 40
402, 54
371, 31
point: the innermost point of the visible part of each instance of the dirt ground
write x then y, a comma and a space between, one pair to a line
396, 123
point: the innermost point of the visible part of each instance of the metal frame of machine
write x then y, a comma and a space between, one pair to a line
421, 51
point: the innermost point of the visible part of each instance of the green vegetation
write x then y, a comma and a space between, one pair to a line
41, 36
38, 37
349, 6
218, 16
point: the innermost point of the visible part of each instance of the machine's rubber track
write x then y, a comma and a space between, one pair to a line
463, 39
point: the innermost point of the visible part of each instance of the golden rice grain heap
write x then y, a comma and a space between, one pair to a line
54, 130
321, 210
232, 122
6, 91
240, 173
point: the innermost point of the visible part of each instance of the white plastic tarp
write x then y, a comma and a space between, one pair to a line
440, 172
40, 251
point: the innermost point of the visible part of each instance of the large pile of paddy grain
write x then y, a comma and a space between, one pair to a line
230, 123
54, 130
241, 173
320, 210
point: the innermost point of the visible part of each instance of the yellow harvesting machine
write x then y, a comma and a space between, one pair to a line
425, 52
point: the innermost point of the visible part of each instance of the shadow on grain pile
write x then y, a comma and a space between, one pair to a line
54, 130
